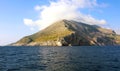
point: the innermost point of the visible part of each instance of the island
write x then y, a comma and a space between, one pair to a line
70, 33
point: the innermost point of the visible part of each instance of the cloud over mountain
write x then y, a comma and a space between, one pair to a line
64, 9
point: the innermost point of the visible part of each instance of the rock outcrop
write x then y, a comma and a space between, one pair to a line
69, 33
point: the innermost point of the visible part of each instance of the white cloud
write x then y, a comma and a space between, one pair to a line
32, 29
28, 22
90, 20
37, 7
64, 9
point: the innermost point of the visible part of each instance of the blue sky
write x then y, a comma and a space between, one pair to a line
13, 12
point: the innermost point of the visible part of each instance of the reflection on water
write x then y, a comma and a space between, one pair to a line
60, 58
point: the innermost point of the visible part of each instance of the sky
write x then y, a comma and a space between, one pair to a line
19, 18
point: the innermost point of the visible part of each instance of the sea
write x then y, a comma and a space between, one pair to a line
74, 58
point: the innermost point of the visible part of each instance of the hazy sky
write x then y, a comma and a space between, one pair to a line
19, 18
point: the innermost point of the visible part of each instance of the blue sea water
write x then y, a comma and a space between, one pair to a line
83, 58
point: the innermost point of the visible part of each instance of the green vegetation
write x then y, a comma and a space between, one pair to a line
25, 40
52, 36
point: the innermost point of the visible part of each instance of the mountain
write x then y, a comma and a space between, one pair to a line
70, 33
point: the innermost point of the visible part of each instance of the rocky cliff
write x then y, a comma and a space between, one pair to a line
69, 33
